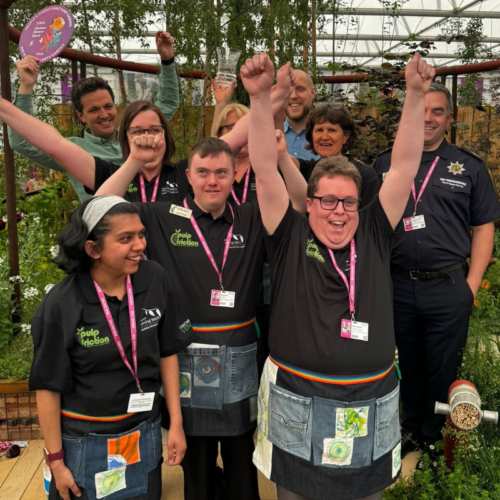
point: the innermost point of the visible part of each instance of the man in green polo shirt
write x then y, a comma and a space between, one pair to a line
93, 100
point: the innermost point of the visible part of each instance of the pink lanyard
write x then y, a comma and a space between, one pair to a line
207, 249
143, 188
114, 331
351, 288
245, 189
424, 185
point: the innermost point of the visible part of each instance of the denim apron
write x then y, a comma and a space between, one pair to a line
218, 386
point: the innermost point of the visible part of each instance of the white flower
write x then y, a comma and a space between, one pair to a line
25, 328
30, 292
36, 219
54, 250
435, 464
48, 288
16, 279
431, 446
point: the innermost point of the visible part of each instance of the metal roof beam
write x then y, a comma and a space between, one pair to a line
402, 38
413, 13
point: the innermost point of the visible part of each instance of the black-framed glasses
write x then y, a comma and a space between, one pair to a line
153, 130
330, 203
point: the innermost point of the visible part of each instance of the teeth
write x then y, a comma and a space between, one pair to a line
336, 223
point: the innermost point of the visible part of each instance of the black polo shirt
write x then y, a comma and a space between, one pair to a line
76, 355
310, 298
459, 195
173, 186
173, 243
370, 183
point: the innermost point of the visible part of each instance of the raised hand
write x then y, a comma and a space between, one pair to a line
223, 95
286, 79
164, 45
146, 148
27, 69
281, 143
257, 74
419, 74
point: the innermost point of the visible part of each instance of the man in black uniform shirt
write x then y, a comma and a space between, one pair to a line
434, 287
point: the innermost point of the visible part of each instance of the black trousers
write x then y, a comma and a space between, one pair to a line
200, 461
431, 319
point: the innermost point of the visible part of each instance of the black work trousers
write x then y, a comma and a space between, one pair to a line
200, 461
431, 319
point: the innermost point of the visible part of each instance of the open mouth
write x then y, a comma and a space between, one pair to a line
337, 224
134, 259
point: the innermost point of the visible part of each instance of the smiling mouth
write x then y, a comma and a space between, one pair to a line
134, 259
337, 224
107, 122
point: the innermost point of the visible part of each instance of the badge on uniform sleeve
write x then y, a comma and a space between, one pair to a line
354, 330
181, 211
456, 168
414, 223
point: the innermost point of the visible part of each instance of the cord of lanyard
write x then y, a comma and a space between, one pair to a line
143, 188
245, 189
351, 285
424, 185
114, 331
206, 247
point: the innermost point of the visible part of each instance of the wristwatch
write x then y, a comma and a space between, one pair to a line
52, 457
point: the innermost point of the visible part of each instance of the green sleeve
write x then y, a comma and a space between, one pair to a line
167, 98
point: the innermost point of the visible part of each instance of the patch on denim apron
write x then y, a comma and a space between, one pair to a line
110, 481
337, 451
185, 384
206, 371
116, 461
127, 447
396, 460
352, 422
252, 403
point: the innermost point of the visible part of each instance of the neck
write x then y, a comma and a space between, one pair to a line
112, 285
241, 165
298, 125
214, 212
110, 138
151, 173
434, 146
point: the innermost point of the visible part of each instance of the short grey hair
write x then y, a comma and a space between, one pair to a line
438, 87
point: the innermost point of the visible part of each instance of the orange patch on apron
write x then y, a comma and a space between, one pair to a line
127, 446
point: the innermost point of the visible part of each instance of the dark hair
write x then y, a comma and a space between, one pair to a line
211, 146
86, 86
336, 114
72, 256
438, 87
331, 167
130, 113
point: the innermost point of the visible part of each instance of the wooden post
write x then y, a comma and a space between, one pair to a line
83, 70
313, 35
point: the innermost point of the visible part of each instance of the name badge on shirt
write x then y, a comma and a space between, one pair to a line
413, 223
141, 402
354, 330
181, 211
222, 298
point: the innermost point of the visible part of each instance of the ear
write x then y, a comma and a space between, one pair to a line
309, 204
449, 119
346, 137
313, 91
91, 250
80, 117
188, 175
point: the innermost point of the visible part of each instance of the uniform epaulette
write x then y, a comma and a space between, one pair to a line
465, 150
385, 151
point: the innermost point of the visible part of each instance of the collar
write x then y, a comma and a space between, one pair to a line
86, 284
198, 212
442, 151
289, 127
99, 140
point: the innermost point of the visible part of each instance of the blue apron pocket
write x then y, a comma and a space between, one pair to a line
185, 377
74, 458
387, 426
241, 373
207, 377
343, 433
156, 445
289, 421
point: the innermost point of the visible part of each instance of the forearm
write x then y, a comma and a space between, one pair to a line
119, 182
481, 249
217, 111
49, 413
167, 98
169, 368
295, 183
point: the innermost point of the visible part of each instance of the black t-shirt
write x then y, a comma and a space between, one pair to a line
173, 243
173, 185
370, 183
310, 298
76, 355
239, 188
459, 195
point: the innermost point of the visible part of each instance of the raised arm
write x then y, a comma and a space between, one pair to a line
46, 138
222, 96
409, 144
257, 75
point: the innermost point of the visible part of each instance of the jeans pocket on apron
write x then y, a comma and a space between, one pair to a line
74, 458
289, 421
185, 377
207, 378
117, 465
343, 433
241, 373
156, 444
387, 426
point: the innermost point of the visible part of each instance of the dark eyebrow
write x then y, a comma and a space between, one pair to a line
437, 109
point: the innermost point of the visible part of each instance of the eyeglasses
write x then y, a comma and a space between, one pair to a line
153, 130
228, 127
330, 203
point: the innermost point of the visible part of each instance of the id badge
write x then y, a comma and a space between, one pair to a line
413, 223
141, 402
354, 330
222, 298
181, 211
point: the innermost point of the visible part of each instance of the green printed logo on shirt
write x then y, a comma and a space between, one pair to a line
90, 338
132, 189
179, 239
312, 250
185, 327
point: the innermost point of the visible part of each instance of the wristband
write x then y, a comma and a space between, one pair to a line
167, 62
52, 457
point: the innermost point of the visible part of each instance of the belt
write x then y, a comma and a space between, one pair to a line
428, 275
333, 379
222, 326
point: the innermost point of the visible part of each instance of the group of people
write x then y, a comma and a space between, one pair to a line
140, 336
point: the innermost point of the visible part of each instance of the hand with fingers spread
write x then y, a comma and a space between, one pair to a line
222, 95
164, 45
65, 482
419, 74
27, 69
257, 74
176, 445
146, 148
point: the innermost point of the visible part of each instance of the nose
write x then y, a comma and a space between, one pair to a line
139, 244
339, 209
428, 116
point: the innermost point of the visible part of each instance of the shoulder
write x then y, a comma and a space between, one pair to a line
58, 296
386, 154
362, 167
150, 268
466, 152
